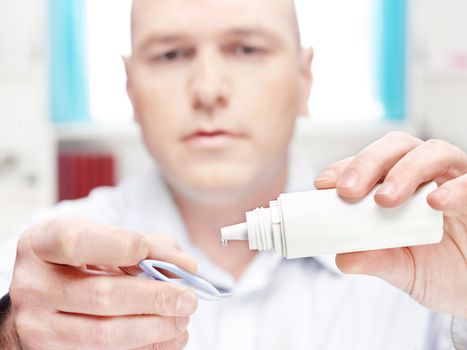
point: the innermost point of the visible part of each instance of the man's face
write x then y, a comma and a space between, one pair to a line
216, 86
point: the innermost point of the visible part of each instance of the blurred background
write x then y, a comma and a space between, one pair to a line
66, 123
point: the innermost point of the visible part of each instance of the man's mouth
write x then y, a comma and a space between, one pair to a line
212, 139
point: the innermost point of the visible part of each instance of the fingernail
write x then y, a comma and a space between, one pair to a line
182, 323
441, 195
386, 189
183, 341
350, 178
186, 304
326, 176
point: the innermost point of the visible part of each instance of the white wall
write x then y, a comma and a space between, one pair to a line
439, 68
26, 148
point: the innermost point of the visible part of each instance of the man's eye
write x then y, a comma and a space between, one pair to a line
172, 56
244, 50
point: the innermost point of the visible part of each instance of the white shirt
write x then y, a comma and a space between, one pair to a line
277, 304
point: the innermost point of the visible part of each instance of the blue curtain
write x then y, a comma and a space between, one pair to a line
392, 56
68, 71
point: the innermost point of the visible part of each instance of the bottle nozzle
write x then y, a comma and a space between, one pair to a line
237, 232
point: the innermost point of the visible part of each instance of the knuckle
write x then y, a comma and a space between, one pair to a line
342, 163
169, 328
28, 330
158, 346
137, 245
164, 301
65, 237
19, 287
182, 341
26, 286
24, 243
55, 225
454, 152
364, 161
329, 172
397, 137
463, 154
173, 327
334, 170
169, 240
68, 246
100, 294
180, 324
463, 157
365, 158
101, 334
437, 143
178, 343
15, 292
132, 244
463, 185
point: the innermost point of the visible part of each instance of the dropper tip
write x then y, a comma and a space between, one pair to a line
237, 232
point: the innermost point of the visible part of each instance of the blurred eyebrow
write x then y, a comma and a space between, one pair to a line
242, 33
253, 32
164, 39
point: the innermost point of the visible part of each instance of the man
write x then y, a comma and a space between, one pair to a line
216, 87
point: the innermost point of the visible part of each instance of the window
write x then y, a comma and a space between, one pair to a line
108, 38
342, 35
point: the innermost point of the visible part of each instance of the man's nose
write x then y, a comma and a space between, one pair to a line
209, 85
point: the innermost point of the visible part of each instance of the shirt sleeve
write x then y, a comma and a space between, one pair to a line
459, 333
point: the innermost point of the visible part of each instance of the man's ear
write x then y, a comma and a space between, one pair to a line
306, 80
129, 85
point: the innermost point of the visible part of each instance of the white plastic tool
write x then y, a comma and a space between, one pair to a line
203, 289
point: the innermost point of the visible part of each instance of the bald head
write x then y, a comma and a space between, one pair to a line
145, 12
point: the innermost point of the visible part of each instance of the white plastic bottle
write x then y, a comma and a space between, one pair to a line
320, 222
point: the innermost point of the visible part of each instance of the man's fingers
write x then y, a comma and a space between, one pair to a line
373, 163
329, 176
395, 266
120, 295
166, 239
161, 247
86, 332
452, 195
433, 160
170, 252
176, 344
77, 243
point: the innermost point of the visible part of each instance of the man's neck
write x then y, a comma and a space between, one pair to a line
204, 222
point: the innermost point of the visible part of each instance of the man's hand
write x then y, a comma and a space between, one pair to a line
8, 337
59, 303
434, 275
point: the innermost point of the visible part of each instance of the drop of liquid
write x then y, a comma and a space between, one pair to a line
224, 242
